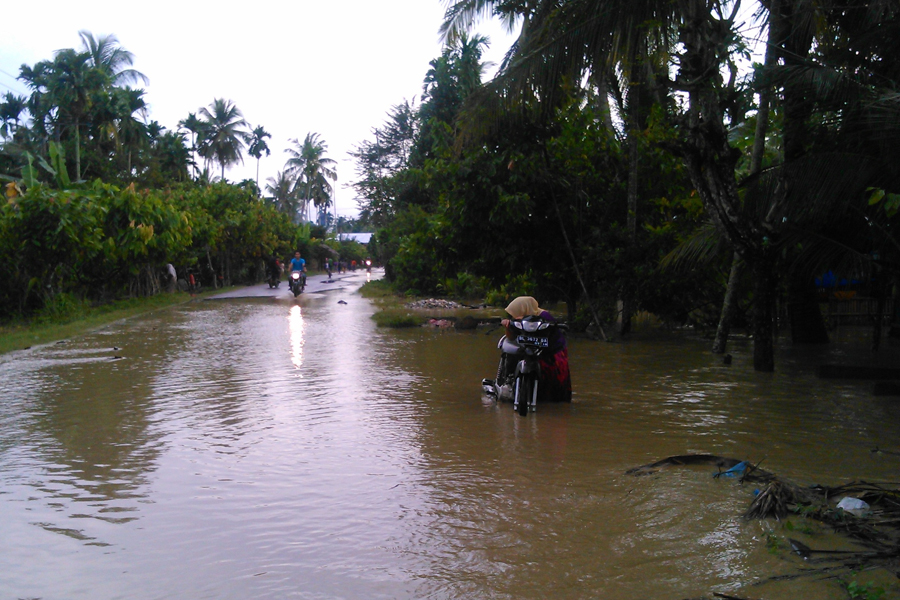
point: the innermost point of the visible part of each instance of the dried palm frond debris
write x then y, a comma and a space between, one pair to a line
876, 529
724, 465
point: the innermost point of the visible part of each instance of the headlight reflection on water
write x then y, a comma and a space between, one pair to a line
295, 321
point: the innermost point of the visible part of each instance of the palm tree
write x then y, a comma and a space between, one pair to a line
111, 58
311, 171
197, 127
224, 134
172, 156
130, 132
11, 110
561, 42
281, 187
258, 146
71, 85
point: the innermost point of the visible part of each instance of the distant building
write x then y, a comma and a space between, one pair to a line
360, 238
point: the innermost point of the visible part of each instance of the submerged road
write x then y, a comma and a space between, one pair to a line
273, 447
314, 284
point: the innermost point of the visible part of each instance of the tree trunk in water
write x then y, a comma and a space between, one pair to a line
756, 159
878, 322
807, 324
763, 314
587, 296
728, 305
624, 305
711, 161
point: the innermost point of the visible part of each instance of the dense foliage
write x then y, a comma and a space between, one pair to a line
623, 160
100, 201
101, 242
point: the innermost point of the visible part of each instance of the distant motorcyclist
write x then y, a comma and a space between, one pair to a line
273, 268
299, 264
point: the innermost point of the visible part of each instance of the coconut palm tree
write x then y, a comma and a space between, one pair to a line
11, 110
70, 85
224, 134
564, 41
561, 42
258, 146
127, 123
281, 187
196, 127
311, 170
111, 58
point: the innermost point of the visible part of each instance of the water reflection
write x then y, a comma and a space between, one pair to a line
204, 469
295, 321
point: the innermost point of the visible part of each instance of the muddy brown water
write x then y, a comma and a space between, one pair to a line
281, 448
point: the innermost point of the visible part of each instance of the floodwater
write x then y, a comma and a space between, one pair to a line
281, 448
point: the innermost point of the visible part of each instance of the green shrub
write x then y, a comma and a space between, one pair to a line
396, 319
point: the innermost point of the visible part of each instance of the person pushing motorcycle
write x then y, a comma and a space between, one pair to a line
556, 382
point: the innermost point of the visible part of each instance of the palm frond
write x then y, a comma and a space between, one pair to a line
705, 245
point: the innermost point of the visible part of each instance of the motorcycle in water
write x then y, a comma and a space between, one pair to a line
519, 372
297, 282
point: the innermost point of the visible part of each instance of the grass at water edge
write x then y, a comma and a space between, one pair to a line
392, 310
21, 335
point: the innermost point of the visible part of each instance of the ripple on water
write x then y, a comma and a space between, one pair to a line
271, 449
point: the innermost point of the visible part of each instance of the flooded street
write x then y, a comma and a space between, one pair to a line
281, 448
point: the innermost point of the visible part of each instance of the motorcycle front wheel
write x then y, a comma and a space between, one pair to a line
524, 392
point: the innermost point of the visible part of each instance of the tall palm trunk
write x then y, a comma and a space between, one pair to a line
624, 304
77, 149
729, 305
711, 163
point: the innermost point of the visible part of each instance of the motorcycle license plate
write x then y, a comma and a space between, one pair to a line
533, 340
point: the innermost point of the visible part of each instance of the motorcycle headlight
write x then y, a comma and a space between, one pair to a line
295, 275
532, 326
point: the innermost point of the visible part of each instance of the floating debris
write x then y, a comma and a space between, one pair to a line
440, 323
877, 528
435, 303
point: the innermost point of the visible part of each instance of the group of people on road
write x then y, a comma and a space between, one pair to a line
275, 269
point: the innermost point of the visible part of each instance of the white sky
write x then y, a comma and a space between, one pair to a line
334, 68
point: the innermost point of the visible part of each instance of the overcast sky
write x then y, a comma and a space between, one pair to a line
334, 68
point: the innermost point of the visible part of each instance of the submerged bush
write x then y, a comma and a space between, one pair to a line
396, 319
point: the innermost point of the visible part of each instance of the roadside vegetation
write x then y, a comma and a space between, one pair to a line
392, 309
630, 159
637, 163
99, 200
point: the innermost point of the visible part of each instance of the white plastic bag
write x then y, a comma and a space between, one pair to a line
854, 506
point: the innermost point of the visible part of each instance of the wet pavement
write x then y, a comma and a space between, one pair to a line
314, 284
